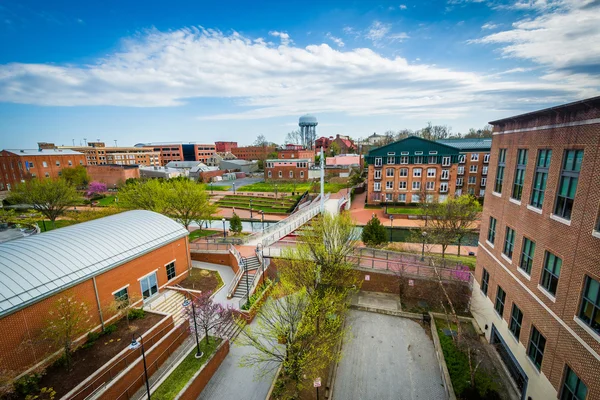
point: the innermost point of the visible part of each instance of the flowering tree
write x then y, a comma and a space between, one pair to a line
95, 187
209, 316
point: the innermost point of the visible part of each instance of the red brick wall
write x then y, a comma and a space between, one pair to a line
216, 258
252, 152
112, 175
285, 173
201, 380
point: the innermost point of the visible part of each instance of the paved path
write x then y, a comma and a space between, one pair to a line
227, 275
387, 358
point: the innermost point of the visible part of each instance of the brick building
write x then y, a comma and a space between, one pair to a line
23, 164
537, 282
181, 151
113, 174
473, 164
222, 147
344, 144
96, 153
144, 252
323, 142
251, 153
294, 151
287, 169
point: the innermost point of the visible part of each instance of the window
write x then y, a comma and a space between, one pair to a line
444, 187
389, 172
70, 163
486, 158
432, 152
378, 162
590, 304
537, 343
416, 185
481, 192
170, 270
404, 160
377, 186
484, 170
551, 272
291, 174
280, 174
121, 295
473, 169
492, 230
568, 183
519, 174
417, 172
474, 156
573, 388
516, 319
445, 161
472, 180
388, 197
402, 185
389, 185
445, 174
391, 160
527, 253
462, 158
458, 192
45, 164
377, 174
460, 170
509, 242
403, 172
431, 172
270, 174
483, 181
47, 174
415, 198
402, 197
500, 171
500, 299
459, 181
301, 174
485, 281
430, 186
418, 159
540, 177
58, 163
432, 159
418, 153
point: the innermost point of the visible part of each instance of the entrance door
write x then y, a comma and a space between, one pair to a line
515, 370
149, 285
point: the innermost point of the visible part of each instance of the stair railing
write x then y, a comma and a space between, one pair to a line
238, 276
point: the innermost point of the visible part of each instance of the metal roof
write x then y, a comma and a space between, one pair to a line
43, 152
289, 160
580, 104
39, 266
469, 143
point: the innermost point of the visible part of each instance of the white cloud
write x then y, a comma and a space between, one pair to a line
338, 41
262, 79
283, 36
378, 32
402, 6
489, 25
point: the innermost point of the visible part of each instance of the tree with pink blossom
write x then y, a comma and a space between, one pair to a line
206, 315
95, 187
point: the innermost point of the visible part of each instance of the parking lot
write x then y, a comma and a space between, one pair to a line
387, 357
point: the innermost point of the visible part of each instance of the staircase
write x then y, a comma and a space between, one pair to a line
170, 302
232, 330
253, 266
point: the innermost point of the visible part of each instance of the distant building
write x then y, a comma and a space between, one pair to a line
287, 169
345, 144
161, 172
251, 153
344, 160
191, 151
215, 159
113, 174
19, 165
295, 151
374, 139
239, 165
96, 153
225, 146
323, 142
473, 165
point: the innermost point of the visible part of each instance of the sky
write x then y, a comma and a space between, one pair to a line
234, 69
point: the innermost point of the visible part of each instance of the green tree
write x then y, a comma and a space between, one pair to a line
356, 177
235, 224
50, 197
144, 195
76, 176
334, 149
187, 201
373, 233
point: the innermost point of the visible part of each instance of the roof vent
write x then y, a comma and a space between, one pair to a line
22, 151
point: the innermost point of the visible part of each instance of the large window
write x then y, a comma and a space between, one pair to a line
537, 343
445, 174
573, 388
551, 272
492, 230
430, 186
121, 295
404, 160
590, 304
377, 186
391, 160
378, 161
417, 172
402, 197
474, 156
402, 185
460, 170
473, 168
443, 187
500, 171
389, 172
431, 172
445, 161
509, 242
567, 188
416, 185
389, 185
377, 174
517, 191
403, 171
500, 299
485, 281
516, 319
527, 253
539, 179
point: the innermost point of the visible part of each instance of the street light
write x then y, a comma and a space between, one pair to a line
262, 215
233, 187
245, 263
424, 234
391, 226
275, 191
211, 188
224, 232
259, 247
186, 304
250, 208
134, 345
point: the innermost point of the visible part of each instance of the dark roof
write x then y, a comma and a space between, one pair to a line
412, 144
469, 143
576, 105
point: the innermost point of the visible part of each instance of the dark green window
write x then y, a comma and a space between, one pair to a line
527, 253
500, 171
516, 319
509, 242
485, 281
517, 191
500, 299
537, 343
569, 176
573, 388
122, 295
492, 230
590, 304
539, 179
170, 270
551, 272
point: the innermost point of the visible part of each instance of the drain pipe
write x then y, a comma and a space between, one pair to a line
98, 303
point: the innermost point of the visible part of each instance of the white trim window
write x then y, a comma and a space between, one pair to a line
377, 186
445, 174
416, 185
291, 174
417, 172
472, 180
402, 198
377, 174
443, 187
301, 174
474, 156
431, 172
280, 174
388, 197
389, 172
404, 160
403, 172
378, 161
459, 181
473, 168
432, 160
481, 192
484, 170
391, 160
418, 160
458, 192
486, 158
430, 185
460, 170
483, 181
402, 185
462, 158
445, 161
389, 185
415, 198
269, 174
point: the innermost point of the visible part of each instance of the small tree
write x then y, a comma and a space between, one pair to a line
210, 316
374, 234
186, 202
69, 318
334, 149
124, 305
76, 176
144, 195
95, 188
235, 224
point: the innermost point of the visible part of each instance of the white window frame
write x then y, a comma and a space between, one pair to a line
377, 174
418, 160
432, 159
378, 161
280, 174
292, 174
389, 185
483, 181
474, 156
459, 181
389, 197
403, 172
416, 185
486, 158
431, 172
446, 161
391, 160
415, 198
445, 174
484, 170
301, 174
417, 172
402, 198
401, 184
430, 185
462, 158
460, 170
389, 172
404, 160
377, 186
443, 187
473, 168
472, 180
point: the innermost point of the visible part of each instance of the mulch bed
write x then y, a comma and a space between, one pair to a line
202, 280
87, 361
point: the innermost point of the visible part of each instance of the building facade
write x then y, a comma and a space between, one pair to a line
112, 174
181, 151
287, 169
225, 146
96, 153
295, 152
473, 165
19, 165
251, 153
344, 144
537, 282
323, 142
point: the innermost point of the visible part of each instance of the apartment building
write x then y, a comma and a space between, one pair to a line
537, 282
23, 164
96, 153
251, 153
291, 151
287, 169
473, 165
223, 147
181, 151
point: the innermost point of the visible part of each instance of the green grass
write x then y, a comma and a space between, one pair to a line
288, 187
469, 261
208, 187
405, 210
59, 223
256, 208
107, 201
201, 233
169, 389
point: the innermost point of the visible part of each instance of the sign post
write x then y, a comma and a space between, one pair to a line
317, 384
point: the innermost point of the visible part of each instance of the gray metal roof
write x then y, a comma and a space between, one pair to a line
469, 143
43, 152
38, 266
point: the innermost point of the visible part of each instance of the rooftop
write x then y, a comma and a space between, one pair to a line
469, 143
289, 159
184, 164
44, 152
39, 266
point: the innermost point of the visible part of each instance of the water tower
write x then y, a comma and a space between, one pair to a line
308, 129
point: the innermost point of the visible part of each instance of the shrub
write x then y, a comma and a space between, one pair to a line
374, 233
109, 329
27, 384
93, 336
235, 224
136, 313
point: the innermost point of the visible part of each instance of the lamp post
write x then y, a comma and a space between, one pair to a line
211, 188
391, 226
262, 216
134, 345
275, 191
233, 187
250, 208
186, 304
224, 232
259, 247
424, 234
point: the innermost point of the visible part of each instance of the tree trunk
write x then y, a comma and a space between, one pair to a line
459, 240
206, 335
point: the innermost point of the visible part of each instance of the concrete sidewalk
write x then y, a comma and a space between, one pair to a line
227, 276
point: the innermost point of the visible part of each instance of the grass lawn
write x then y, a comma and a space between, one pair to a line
201, 233
107, 201
208, 187
169, 389
255, 207
405, 210
469, 261
288, 187
59, 223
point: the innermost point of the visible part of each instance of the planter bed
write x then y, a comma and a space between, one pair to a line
265, 209
88, 360
202, 280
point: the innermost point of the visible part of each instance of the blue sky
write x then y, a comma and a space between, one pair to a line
234, 69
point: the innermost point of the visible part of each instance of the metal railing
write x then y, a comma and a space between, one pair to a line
208, 247
241, 268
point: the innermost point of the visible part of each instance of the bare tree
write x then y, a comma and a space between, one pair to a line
293, 137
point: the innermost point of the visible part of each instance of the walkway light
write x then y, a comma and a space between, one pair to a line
224, 232
391, 226
424, 234
186, 304
134, 345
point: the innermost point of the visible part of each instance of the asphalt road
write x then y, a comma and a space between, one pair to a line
238, 182
387, 358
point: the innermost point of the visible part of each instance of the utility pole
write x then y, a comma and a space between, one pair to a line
85, 141
73, 142
116, 143
322, 161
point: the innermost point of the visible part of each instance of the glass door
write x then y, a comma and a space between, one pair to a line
149, 285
